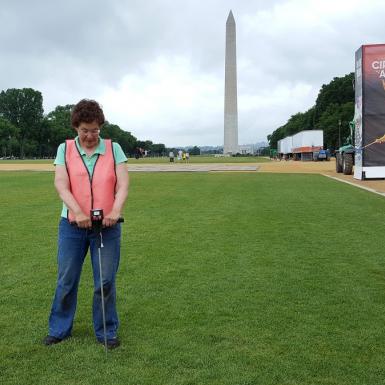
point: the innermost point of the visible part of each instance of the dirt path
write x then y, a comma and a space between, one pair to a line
324, 168
26, 167
291, 166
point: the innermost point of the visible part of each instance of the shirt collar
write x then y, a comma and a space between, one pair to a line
100, 149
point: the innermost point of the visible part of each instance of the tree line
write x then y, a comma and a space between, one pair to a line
332, 112
25, 131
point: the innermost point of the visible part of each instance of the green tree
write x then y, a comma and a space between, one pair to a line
24, 109
277, 135
194, 151
126, 140
329, 122
158, 149
338, 91
146, 144
55, 129
335, 102
8, 138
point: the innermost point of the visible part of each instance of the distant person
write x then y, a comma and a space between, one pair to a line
171, 156
90, 173
187, 157
184, 157
180, 152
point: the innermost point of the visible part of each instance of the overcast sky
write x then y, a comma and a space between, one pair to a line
157, 66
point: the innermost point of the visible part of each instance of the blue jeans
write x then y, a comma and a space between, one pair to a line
73, 244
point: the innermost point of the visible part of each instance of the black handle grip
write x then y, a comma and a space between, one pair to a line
120, 220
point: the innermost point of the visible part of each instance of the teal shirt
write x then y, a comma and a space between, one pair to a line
89, 161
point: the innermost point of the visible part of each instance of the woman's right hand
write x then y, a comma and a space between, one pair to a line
83, 221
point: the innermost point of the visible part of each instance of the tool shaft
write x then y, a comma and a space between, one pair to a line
102, 297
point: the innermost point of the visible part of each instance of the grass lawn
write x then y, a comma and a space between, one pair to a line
193, 159
235, 279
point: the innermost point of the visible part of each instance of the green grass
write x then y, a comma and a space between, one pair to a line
193, 159
224, 279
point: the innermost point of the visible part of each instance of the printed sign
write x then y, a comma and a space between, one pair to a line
373, 105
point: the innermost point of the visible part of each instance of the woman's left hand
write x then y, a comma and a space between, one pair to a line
111, 219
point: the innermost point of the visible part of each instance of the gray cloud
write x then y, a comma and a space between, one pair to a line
158, 66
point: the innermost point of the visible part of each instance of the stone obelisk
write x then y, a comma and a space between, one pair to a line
231, 108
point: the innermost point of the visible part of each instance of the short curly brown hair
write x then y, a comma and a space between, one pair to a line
87, 111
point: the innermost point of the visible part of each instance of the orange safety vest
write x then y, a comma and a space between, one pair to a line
91, 192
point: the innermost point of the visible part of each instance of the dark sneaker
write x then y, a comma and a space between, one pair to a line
50, 340
112, 343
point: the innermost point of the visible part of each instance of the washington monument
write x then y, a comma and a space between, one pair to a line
231, 109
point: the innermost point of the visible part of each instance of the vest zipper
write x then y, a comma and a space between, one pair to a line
89, 175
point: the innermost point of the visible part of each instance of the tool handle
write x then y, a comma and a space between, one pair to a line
120, 220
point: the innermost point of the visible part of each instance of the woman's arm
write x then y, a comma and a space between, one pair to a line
122, 185
62, 186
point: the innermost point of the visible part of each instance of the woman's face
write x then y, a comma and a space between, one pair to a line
88, 134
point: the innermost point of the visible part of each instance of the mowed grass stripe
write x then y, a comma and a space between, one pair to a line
224, 279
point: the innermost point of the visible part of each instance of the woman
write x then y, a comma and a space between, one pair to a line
90, 173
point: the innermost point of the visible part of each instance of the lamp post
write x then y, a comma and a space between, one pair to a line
339, 133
